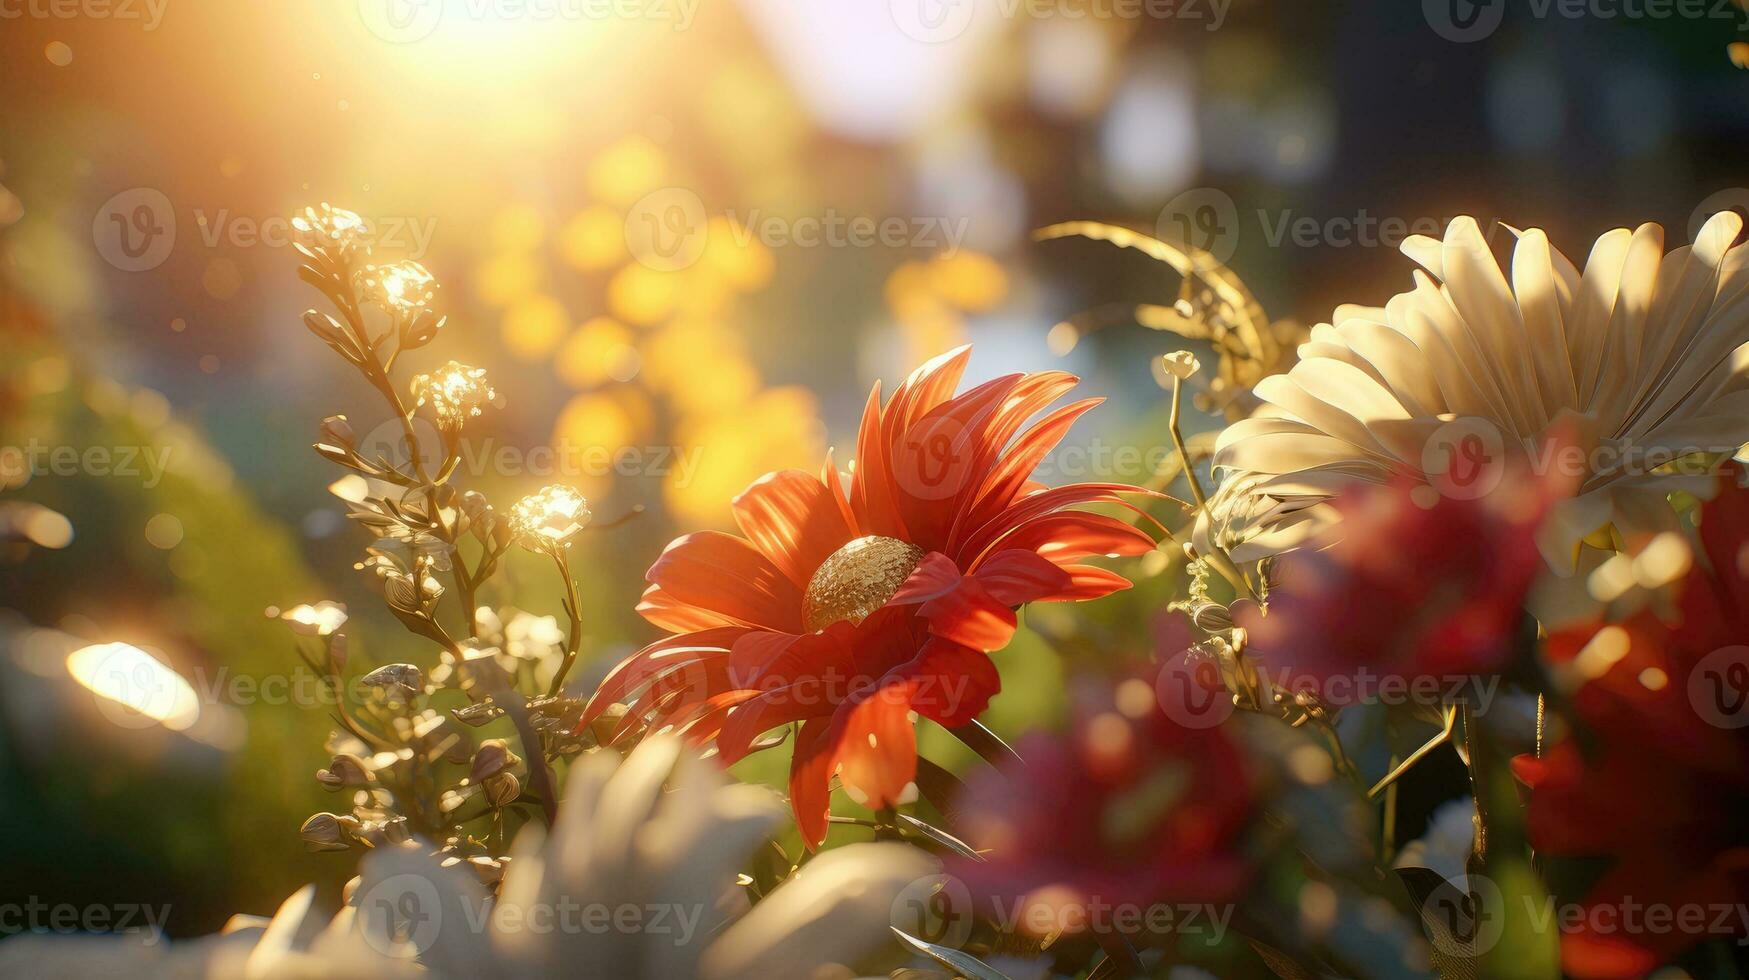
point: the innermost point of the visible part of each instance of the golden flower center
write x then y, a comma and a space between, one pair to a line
857, 579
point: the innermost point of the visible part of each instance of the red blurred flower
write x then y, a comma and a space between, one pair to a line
1407, 584
1658, 777
1130, 809
846, 609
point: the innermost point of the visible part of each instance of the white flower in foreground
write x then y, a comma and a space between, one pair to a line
637, 880
1639, 359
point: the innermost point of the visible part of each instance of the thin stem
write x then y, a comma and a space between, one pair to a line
1218, 558
1202, 501
573, 609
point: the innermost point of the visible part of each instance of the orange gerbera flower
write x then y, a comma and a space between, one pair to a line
848, 608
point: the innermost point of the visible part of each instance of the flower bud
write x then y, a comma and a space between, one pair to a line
502, 789
343, 770
1181, 364
328, 832
337, 431
404, 679
492, 757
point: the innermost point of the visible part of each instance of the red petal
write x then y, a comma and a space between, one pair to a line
951, 684
755, 652
725, 575
969, 615
810, 780
876, 746
1072, 535
1045, 502
935, 462
794, 520
763, 712
926, 388
1015, 577
663, 610
871, 491
665, 655
1005, 482
934, 575
1088, 582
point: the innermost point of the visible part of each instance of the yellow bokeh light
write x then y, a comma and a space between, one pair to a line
517, 228
599, 351
971, 281
534, 325
595, 426
777, 429
701, 365
505, 278
742, 261
626, 171
641, 295
593, 240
